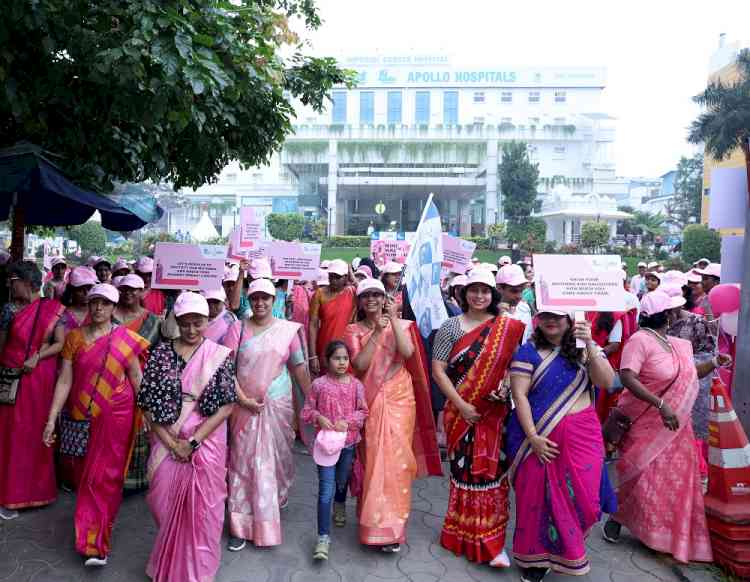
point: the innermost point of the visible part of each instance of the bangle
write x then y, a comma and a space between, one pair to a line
312, 358
715, 362
661, 404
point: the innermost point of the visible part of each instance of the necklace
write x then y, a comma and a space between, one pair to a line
660, 338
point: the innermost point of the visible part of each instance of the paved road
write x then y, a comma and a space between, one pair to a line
38, 547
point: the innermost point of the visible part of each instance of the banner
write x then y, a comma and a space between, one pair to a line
579, 282
728, 198
296, 261
186, 266
457, 254
423, 267
251, 227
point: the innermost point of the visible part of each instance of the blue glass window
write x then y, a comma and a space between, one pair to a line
394, 107
367, 107
450, 107
422, 108
339, 106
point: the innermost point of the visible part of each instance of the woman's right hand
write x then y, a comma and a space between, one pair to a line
545, 449
324, 423
182, 450
314, 365
253, 405
668, 417
48, 437
469, 412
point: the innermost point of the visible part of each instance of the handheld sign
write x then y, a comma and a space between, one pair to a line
251, 227
457, 254
187, 266
296, 261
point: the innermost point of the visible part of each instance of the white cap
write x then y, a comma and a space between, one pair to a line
189, 302
262, 286
370, 285
652, 265
130, 280
458, 280
642, 264
713, 270
483, 276
504, 260
338, 267
217, 294
511, 275
391, 267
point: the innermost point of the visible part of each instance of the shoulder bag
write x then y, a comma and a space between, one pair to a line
10, 378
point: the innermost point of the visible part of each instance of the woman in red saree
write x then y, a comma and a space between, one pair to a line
331, 309
657, 458
27, 340
610, 330
399, 441
99, 378
470, 358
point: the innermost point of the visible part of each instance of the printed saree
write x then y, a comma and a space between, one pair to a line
100, 379
557, 503
27, 476
478, 505
187, 499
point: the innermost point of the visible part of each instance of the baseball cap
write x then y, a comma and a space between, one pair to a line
655, 302
370, 285
713, 270
482, 276
338, 267
511, 275
190, 302
504, 260
120, 264
693, 277
328, 446
364, 270
642, 264
458, 280
322, 278
144, 265
261, 286
217, 294
391, 267
674, 278
132, 280
58, 261
82, 276
106, 291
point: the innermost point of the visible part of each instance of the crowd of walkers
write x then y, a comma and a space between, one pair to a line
197, 399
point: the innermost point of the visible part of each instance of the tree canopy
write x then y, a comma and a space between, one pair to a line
519, 180
594, 235
151, 90
688, 191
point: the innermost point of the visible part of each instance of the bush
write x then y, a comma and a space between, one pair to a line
520, 231
347, 241
594, 235
483, 243
285, 226
699, 241
91, 238
570, 249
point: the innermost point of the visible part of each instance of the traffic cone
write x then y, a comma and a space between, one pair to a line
728, 495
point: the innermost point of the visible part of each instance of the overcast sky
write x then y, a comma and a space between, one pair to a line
656, 52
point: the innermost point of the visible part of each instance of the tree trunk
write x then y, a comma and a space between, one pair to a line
18, 239
741, 392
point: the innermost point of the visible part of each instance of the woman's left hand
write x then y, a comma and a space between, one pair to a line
582, 331
182, 451
31, 363
724, 360
390, 308
668, 417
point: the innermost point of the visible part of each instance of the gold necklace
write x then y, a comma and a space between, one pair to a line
660, 338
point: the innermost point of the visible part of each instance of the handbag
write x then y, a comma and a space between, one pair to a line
74, 434
10, 378
618, 424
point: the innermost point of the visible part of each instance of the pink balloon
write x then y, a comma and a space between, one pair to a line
724, 298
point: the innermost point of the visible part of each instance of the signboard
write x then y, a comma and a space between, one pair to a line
457, 254
728, 197
731, 259
579, 282
296, 261
383, 251
251, 227
187, 266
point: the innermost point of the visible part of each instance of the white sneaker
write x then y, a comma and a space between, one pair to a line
96, 561
501, 560
8, 514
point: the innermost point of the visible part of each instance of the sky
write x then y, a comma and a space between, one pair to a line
656, 52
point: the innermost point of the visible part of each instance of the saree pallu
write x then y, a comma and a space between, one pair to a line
104, 467
219, 326
659, 495
334, 315
557, 503
187, 499
478, 506
27, 467
261, 467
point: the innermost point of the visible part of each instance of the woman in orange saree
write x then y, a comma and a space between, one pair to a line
99, 378
399, 441
27, 467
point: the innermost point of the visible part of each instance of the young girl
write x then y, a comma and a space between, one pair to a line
336, 403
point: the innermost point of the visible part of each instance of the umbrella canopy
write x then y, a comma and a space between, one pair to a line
205, 229
49, 198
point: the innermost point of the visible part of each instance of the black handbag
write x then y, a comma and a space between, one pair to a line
74, 434
10, 378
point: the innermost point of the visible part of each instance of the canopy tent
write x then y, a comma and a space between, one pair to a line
204, 230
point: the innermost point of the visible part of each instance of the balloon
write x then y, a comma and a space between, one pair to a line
724, 298
729, 322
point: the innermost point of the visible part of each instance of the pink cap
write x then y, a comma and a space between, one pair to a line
656, 302
131, 280
713, 270
364, 270
106, 291
144, 265
482, 276
642, 264
260, 269
81, 276
338, 267
120, 264
674, 278
328, 446
92, 260
693, 277
217, 294
504, 260
511, 275
189, 302
116, 280
654, 273
100, 260
57, 261
261, 286
324, 264
676, 298
392, 267
370, 285
458, 280
555, 312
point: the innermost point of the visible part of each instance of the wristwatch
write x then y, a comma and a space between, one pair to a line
194, 443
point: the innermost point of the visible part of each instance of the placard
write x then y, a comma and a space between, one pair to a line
728, 196
296, 261
457, 254
383, 251
579, 282
188, 266
251, 227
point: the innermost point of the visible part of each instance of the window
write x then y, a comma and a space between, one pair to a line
558, 152
561, 96
394, 107
478, 96
506, 97
533, 121
534, 97
450, 107
422, 108
339, 107
479, 121
367, 107
559, 121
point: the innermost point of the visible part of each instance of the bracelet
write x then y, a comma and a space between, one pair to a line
715, 362
312, 358
660, 405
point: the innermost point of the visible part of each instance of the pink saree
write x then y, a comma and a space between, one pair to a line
261, 468
659, 497
27, 473
187, 499
100, 372
219, 326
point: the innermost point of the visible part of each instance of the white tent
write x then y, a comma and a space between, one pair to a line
204, 230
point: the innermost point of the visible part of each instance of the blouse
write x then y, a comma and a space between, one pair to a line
695, 329
161, 387
448, 334
336, 401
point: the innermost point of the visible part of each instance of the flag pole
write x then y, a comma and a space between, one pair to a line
411, 249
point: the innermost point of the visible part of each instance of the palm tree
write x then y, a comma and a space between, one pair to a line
649, 224
723, 127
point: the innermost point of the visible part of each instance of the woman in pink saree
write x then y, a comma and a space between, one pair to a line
220, 319
657, 458
27, 340
188, 391
99, 378
269, 352
400, 441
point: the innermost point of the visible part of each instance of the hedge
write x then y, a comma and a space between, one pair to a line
347, 241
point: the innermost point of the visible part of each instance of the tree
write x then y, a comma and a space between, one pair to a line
648, 224
518, 184
150, 90
594, 235
285, 226
91, 237
529, 232
724, 127
688, 193
699, 241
